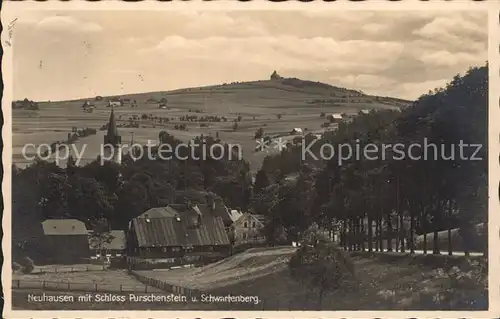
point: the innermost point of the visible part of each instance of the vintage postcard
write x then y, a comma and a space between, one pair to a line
209, 160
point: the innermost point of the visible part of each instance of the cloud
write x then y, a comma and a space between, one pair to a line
388, 53
283, 51
66, 23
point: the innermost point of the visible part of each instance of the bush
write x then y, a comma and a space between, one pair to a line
259, 133
27, 265
320, 263
16, 267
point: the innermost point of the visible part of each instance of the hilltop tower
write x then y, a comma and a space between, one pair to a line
113, 140
275, 76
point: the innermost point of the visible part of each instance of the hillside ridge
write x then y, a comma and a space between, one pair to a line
290, 84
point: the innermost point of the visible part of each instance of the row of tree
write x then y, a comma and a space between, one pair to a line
391, 196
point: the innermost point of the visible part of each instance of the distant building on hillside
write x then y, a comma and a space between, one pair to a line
115, 103
297, 130
66, 241
335, 117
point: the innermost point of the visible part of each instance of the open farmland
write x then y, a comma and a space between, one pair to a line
259, 104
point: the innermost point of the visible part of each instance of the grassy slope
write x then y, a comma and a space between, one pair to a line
260, 99
264, 273
393, 285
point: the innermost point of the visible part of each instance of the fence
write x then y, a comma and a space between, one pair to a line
85, 287
52, 269
162, 285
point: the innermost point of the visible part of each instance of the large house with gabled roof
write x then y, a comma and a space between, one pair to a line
179, 234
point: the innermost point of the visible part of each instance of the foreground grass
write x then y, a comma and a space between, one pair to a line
400, 284
378, 286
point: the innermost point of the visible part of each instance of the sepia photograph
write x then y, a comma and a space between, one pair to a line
263, 160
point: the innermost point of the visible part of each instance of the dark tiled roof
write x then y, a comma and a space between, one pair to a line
220, 211
159, 212
64, 227
174, 210
172, 231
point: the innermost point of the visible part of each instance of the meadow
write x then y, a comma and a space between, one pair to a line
274, 106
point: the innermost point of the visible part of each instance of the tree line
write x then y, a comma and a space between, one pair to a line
374, 202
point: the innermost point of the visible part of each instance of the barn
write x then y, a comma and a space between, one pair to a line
66, 241
178, 236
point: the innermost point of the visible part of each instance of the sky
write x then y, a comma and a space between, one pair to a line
78, 54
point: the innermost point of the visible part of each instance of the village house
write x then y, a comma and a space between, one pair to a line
178, 236
335, 117
297, 130
110, 245
248, 229
115, 103
66, 241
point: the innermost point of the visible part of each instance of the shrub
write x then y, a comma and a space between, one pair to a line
16, 267
320, 263
27, 264
259, 133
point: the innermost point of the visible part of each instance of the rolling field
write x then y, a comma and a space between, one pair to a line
258, 103
247, 266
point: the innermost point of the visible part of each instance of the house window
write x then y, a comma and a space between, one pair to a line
164, 249
253, 224
176, 249
244, 236
245, 224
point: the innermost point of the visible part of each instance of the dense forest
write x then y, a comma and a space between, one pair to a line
429, 195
